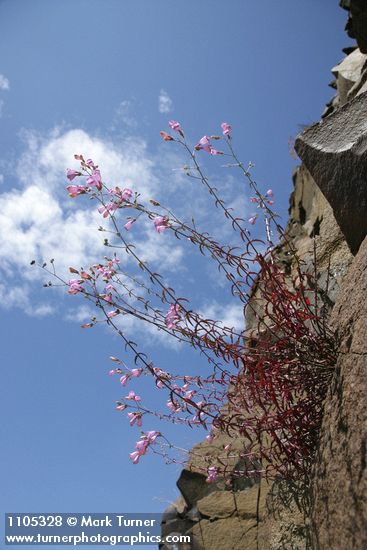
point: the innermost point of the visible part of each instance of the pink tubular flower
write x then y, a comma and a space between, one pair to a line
151, 436
172, 316
108, 209
173, 406
124, 379
112, 372
129, 224
133, 397
135, 456
160, 223
75, 190
252, 220
136, 372
75, 286
227, 128
142, 446
205, 145
95, 179
212, 474
135, 418
124, 195
174, 125
71, 174
113, 313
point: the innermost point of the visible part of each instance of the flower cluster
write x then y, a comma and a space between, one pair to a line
264, 388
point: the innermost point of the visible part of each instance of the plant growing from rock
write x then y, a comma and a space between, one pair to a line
263, 386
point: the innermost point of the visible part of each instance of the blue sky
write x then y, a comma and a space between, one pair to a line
102, 78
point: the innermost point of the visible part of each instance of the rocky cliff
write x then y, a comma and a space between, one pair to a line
328, 214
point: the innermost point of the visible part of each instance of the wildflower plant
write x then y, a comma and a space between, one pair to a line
264, 385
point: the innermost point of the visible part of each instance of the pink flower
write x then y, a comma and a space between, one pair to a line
75, 190
227, 128
176, 126
135, 418
205, 145
252, 220
133, 397
254, 200
75, 286
136, 372
112, 372
161, 223
113, 313
172, 316
151, 436
71, 174
124, 195
120, 406
89, 162
142, 446
106, 210
269, 193
135, 456
129, 224
210, 438
173, 406
212, 474
95, 179
124, 379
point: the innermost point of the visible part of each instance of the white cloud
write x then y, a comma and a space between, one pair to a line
39, 221
4, 83
230, 315
124, 116
165, 104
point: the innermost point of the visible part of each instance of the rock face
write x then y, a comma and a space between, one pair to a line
335, 153
357, 22
327, 220
340, 483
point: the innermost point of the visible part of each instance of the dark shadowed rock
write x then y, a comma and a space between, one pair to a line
357, 22
335, 153
193, 486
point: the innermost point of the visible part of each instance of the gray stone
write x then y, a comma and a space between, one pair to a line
348, 73
340, 474
335, 153
193, 486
